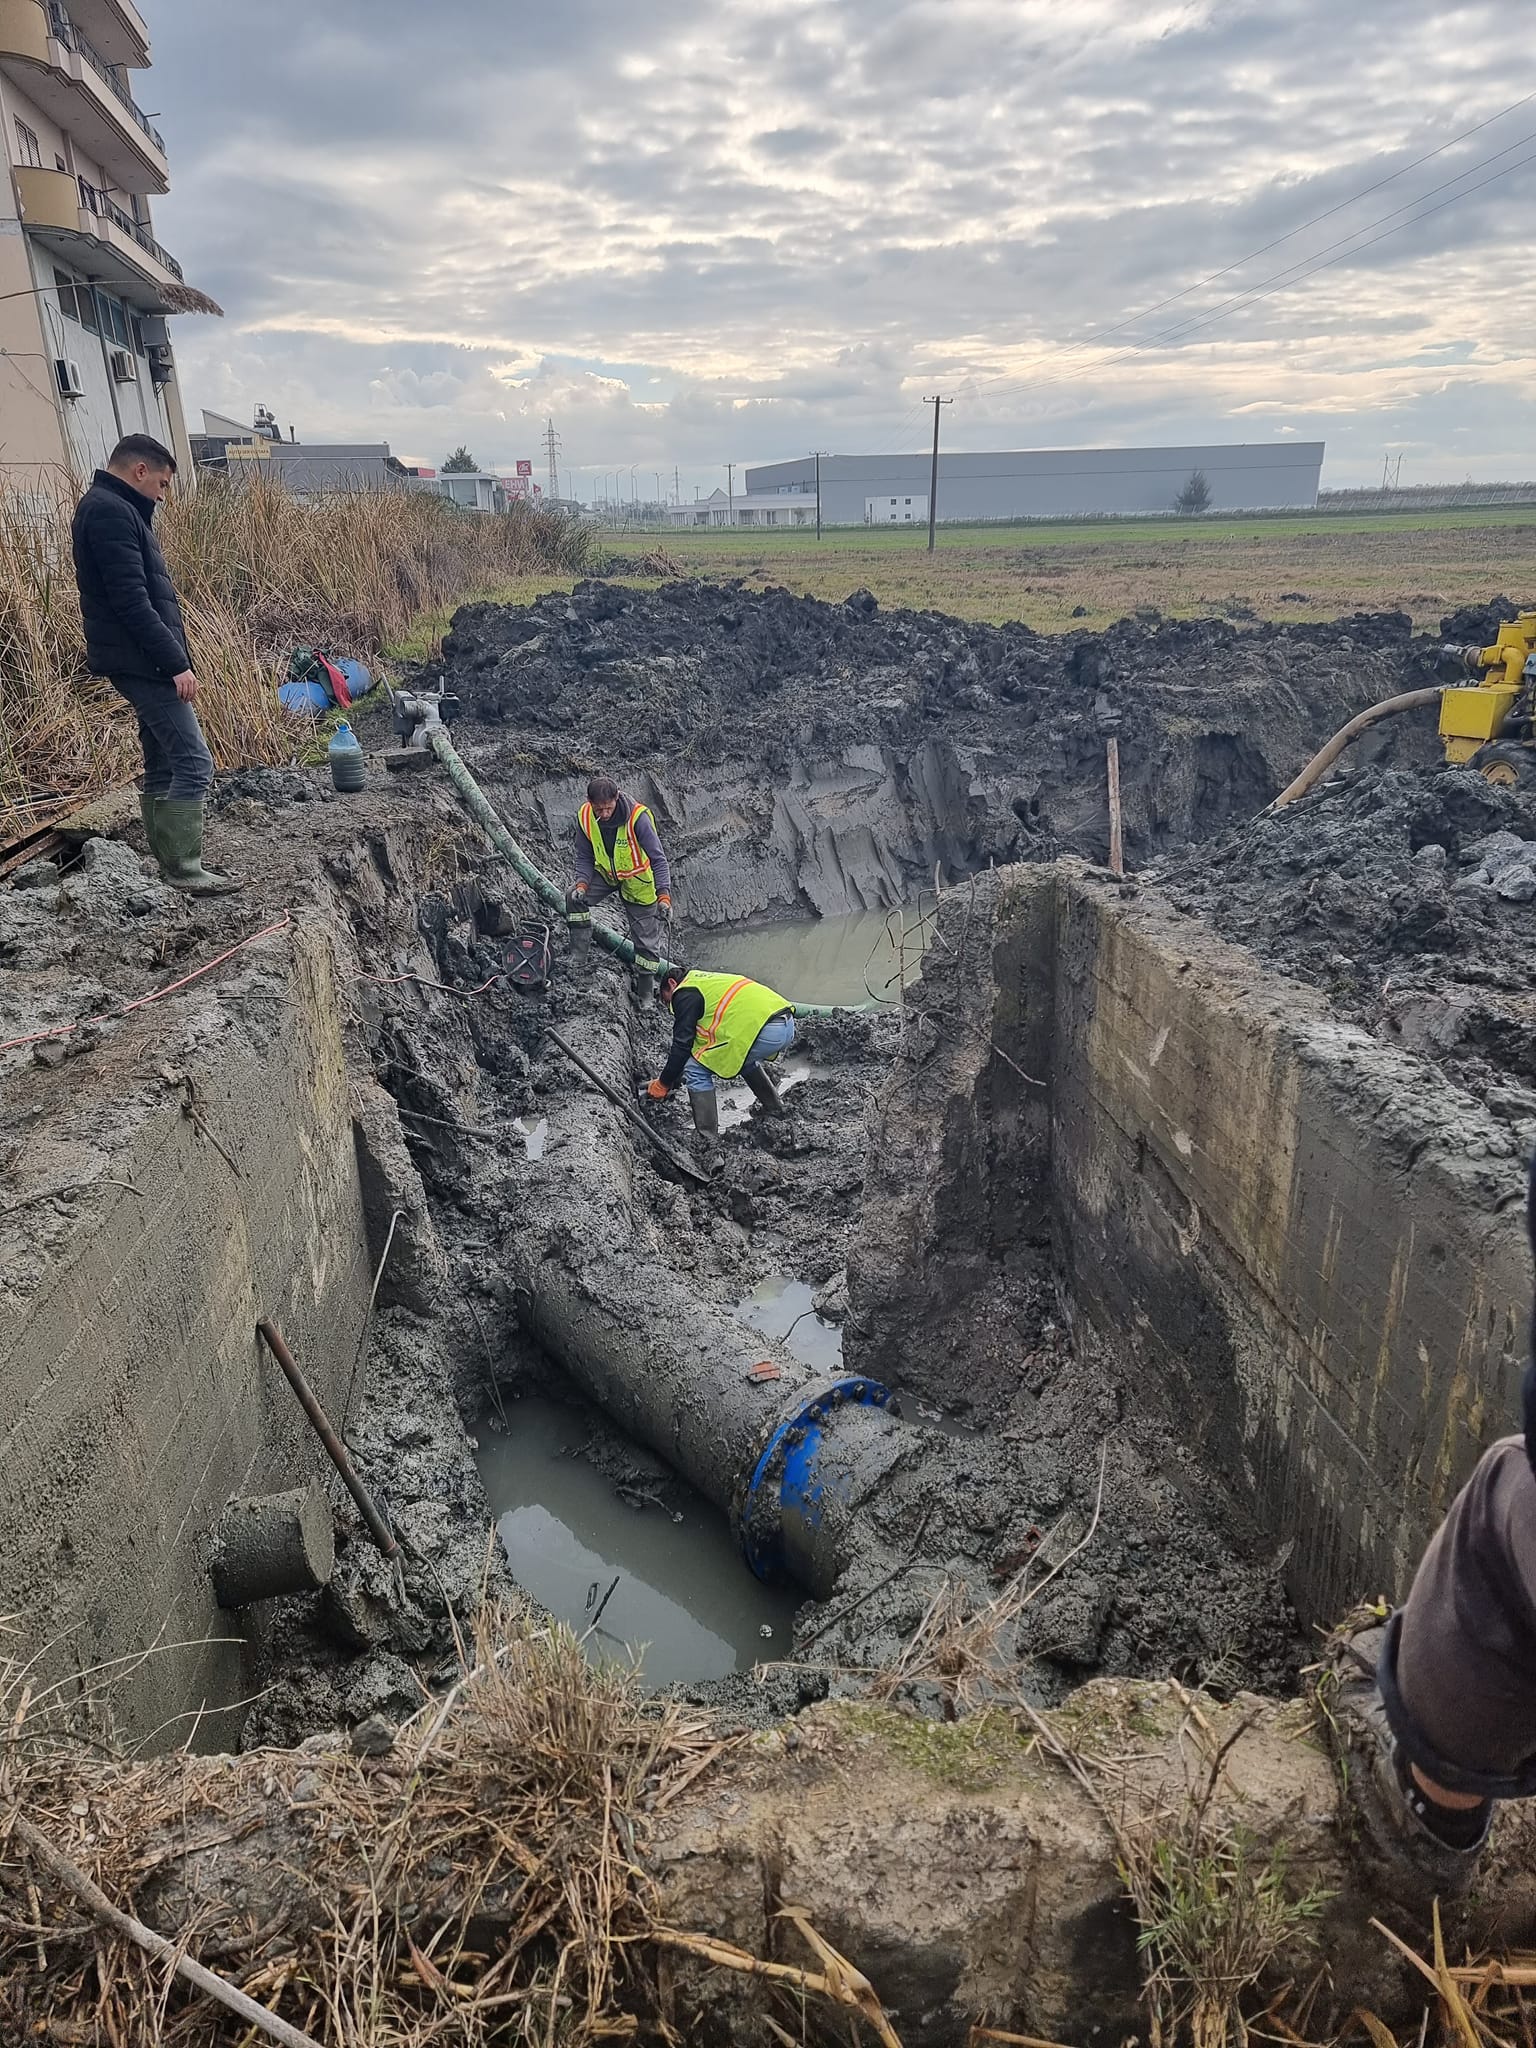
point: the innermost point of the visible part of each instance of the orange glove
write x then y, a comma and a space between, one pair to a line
580, 889
658, 1091
663, 897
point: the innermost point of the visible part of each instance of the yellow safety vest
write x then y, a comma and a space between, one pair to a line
630, 866
735, 1010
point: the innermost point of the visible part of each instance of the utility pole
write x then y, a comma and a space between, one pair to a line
933, 479
730, 494
818, 454
552, 449
677, 485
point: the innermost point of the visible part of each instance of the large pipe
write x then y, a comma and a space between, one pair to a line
790, 1454
484, 814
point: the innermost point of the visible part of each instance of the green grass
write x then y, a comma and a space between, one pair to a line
1304, 566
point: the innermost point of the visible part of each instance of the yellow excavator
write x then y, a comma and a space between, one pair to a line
1487, 724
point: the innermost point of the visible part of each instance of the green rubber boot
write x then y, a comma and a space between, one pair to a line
148, 807
179, 831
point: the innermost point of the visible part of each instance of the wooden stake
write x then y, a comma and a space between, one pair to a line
1116, 848
76, 1881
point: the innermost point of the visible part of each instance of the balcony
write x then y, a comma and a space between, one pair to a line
76, 86
116, 28
95, 235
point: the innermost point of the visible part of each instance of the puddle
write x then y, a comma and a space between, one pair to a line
736, 1099
784, 1310
854, 959
685, 1604
533, 1136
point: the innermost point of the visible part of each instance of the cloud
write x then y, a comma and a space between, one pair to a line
696, 235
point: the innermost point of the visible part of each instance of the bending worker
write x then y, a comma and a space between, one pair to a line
722, 1025
1442, 1700
619, 848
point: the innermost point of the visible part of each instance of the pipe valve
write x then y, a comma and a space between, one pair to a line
416, 714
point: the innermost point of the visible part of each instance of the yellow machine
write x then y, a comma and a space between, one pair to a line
1487, 725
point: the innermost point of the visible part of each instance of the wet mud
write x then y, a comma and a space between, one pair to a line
801, 758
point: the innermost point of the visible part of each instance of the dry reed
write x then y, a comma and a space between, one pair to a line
258, 572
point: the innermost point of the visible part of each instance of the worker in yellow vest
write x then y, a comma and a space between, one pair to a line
722, 1025
619, 850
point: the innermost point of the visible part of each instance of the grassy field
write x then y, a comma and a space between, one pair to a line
1306, 567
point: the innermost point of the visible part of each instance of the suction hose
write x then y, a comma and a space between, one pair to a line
1324, 758
501, 839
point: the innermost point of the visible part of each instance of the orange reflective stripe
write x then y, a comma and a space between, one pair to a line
639, 859
711, 1032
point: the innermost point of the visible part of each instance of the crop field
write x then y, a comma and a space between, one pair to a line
1316, 566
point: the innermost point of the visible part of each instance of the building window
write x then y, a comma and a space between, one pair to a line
90, 198
76, 301
114, 321
59, 163
908, 501
29, 150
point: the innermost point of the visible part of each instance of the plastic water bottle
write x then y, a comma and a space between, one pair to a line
349, 769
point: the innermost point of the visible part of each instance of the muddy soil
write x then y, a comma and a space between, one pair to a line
800, 755
825, 758
1409, 898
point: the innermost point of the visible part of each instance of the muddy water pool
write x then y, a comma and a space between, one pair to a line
785, 1309
856, 959
685, 1605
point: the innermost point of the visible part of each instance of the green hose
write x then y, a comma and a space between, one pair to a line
503, 842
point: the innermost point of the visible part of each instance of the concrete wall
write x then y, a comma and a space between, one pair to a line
1308, 1246
1313, 1244
1047, 482
135, 1397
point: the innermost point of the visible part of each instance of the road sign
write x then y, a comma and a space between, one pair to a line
525, 469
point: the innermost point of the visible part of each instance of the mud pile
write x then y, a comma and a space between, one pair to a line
1409, 897
693, 679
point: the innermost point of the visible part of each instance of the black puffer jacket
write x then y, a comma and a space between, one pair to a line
133, 624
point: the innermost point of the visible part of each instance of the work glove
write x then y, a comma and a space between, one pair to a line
579, 889
664, 905
658, 1091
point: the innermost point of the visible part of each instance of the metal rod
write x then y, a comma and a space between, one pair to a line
378, 1528
628, 1109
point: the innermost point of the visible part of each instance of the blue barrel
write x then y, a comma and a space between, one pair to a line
349, 770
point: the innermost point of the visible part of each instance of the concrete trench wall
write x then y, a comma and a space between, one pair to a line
136, 1397
1310, 1246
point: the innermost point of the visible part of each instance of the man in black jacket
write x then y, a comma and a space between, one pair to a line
135, 637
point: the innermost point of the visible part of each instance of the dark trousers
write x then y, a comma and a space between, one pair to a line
1462, 1695
177, 762
643, 919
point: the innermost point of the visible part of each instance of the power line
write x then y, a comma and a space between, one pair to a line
1093, 340
1310, 268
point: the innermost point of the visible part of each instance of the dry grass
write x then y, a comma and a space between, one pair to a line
258, 573
478, 1885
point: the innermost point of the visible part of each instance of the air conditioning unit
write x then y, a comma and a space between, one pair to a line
71, 383
162, 364
124, 369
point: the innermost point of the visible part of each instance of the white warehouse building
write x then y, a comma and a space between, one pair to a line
1035, 483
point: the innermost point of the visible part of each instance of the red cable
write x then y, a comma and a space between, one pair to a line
68, 1030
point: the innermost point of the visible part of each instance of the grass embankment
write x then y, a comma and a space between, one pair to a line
259, 573
1304, 567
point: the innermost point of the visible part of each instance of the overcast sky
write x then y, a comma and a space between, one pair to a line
704, 230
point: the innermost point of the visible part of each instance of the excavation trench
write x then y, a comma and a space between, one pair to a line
1196, 1298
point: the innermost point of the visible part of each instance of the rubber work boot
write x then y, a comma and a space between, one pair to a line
580, 923
705, 1104
179, 835
1428, 1851
765, 1088
645, 987
148, 807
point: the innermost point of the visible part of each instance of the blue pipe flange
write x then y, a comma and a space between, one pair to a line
794, 1446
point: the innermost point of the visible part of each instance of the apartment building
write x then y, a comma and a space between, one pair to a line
86, 291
